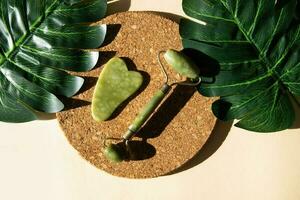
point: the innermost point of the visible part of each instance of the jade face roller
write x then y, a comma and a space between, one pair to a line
183, 66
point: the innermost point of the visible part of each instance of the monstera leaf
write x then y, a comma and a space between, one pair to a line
39, 41
257, 45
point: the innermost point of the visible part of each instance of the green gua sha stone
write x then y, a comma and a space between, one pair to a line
115, 84
182, 64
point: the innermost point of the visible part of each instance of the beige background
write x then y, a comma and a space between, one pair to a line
36, 162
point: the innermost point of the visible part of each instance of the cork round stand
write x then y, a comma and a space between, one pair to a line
174, 133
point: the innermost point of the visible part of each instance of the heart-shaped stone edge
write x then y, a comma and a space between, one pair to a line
102, 76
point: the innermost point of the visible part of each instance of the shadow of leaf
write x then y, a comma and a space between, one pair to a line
112, 32
72, 103
170, 16
116, 6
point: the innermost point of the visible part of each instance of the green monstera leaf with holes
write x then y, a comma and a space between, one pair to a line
257, 45
39, 41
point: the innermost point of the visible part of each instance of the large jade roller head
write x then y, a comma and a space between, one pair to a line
182, 65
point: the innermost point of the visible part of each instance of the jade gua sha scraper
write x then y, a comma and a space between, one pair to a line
115, 85
182, 65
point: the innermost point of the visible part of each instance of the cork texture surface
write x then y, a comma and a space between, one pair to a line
173, 134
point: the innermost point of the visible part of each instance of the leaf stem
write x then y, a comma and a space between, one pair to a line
262, 56
284, 89
32, 29
295, 99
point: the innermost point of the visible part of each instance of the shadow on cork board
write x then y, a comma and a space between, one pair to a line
112, 32
170, 16
212, 144
180, 95
116, 6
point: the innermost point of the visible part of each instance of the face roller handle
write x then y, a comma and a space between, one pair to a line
146, 111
